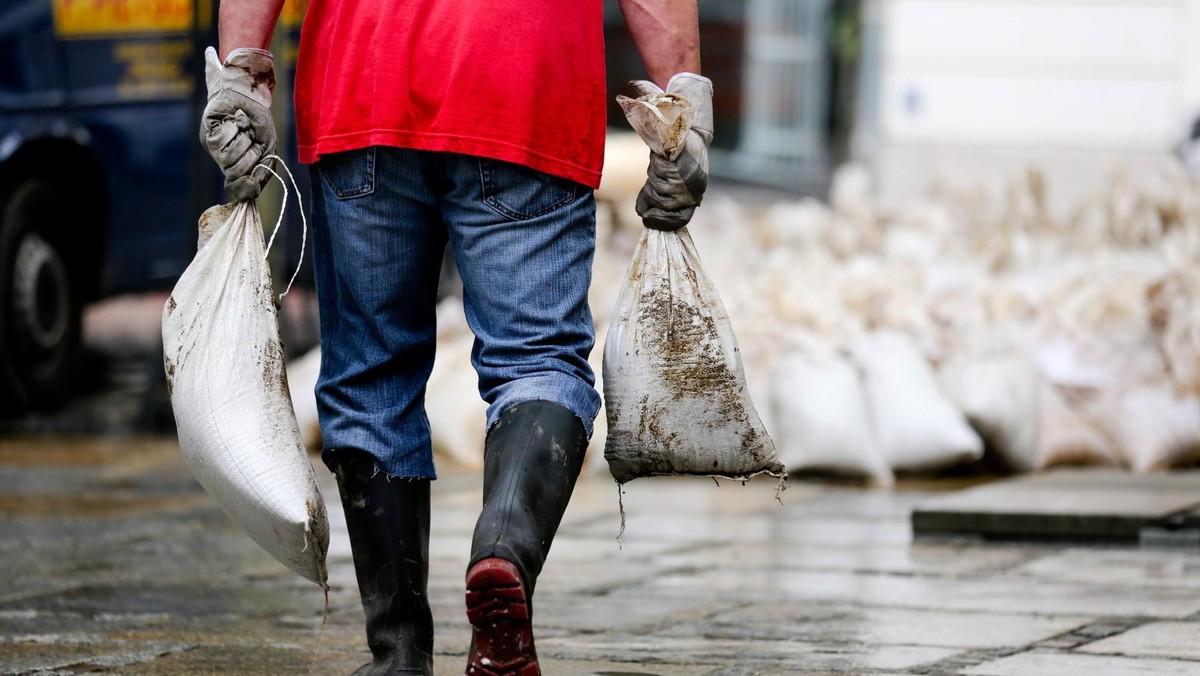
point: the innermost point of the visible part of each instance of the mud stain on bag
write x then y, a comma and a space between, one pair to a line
674, 385
169, 367
226, 376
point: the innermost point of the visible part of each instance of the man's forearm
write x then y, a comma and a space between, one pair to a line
667, 35
246, 23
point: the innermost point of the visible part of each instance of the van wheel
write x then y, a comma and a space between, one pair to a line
40, 310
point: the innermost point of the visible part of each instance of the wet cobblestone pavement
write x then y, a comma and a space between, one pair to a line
113, 560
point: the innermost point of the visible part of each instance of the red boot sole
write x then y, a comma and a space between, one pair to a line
502, 643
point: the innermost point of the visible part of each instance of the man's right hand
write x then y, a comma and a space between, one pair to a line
675, 185
237, 128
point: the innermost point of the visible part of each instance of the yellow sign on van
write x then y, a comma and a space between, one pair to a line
95, 18
293, 13
92, 18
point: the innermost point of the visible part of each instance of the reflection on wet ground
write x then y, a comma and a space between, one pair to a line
112, 559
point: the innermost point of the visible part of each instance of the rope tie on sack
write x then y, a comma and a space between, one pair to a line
282, 211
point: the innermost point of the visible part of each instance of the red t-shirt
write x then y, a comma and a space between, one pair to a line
514, 80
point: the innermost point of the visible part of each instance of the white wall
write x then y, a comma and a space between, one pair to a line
977, 87
1191, 58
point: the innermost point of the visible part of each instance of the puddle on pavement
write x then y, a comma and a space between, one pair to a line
95, 506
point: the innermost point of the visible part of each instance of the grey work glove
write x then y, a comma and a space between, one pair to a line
236, 127
675, 184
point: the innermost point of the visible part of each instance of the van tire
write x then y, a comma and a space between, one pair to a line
40, 306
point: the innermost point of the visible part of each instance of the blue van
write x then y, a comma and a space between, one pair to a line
102, 176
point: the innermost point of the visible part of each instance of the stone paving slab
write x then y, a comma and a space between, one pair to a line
1158, 639
918, 558
1168, 568
1086, 504
1070, 664
651, 650
146, 576
886, 626
994, 593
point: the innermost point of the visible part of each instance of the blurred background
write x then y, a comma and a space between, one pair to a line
997, 194
958, 242
921, 91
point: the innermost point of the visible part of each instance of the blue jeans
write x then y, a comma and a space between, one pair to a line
523, 242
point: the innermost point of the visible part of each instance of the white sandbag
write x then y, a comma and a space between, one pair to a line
819, 415
1075, 363
593, 461
851, 192
302, 374
1066, 438
225, 372
1001, 397
1173, 307
1156, 429
622, 177
918, 427
457, 414
675, 391
792, 227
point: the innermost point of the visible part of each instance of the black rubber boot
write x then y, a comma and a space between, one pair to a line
388, 521
532, 458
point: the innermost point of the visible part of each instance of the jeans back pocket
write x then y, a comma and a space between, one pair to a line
348, 174
518, 192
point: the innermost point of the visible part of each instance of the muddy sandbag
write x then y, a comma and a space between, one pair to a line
674, 387
228, 385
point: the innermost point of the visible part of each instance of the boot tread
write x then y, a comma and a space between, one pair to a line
502, 640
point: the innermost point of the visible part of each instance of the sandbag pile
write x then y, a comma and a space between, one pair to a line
974, 321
